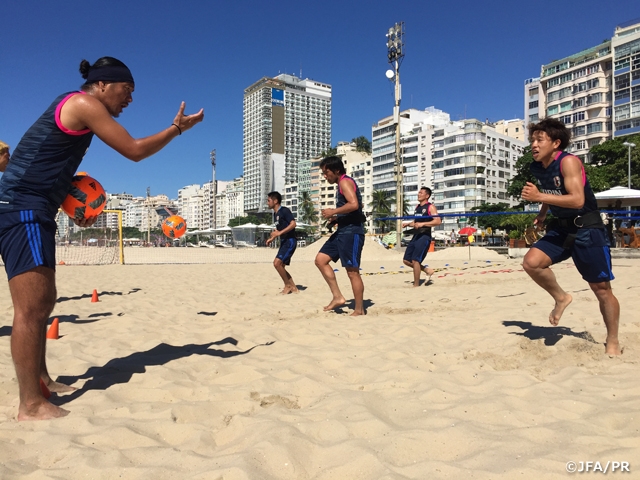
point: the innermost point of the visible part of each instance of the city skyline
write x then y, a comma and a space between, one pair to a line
467, 59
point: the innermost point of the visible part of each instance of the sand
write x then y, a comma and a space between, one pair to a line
205, 372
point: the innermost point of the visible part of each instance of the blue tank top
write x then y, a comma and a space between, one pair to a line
423, 211
349, 222
283, 218
38, 176
551, 181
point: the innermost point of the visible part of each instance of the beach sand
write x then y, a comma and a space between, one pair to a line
205, 372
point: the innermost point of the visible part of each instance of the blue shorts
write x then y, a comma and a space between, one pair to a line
27, 240
590, 252
287, 249
344, 246
417, 248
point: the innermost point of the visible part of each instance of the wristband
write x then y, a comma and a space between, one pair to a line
179, 129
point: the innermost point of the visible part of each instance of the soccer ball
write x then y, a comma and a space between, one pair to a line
174, 226
86, 198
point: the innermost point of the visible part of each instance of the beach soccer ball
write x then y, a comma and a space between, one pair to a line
174, 226
86, 198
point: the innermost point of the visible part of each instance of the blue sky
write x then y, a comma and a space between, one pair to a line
464, 57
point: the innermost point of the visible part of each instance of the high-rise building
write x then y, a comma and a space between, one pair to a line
583, 89
287, 121
577, 91
625, 46
472, 165
415, 144
229, 201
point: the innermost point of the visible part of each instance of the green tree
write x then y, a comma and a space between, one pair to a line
235, 222
307, 209
522, 176
492, 221
330, 152
362, 144
609, 165
380, 206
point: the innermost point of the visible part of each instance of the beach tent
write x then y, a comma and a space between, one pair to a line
628, 196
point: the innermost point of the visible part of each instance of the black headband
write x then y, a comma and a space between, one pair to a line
109, 73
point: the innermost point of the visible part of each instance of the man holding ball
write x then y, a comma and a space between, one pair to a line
35, 183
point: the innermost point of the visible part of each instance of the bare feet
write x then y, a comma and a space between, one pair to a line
288, 289
428, 271
42, 410
335, 303
357, 313
556, 313
58, 387
612, 348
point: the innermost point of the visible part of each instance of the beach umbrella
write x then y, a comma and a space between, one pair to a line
627, 196
467, 231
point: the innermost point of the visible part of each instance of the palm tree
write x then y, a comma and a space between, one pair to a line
380, 207
307, 209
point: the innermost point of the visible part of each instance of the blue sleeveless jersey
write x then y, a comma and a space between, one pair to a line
423, 211
551, 181
349, 222
38, 176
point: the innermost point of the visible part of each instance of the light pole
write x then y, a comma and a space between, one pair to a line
212, 219
395, 46
630, 146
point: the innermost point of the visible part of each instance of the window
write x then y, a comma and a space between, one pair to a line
533, 104
578, 116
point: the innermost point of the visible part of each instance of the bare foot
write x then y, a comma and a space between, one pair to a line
335, 303
612, 348
40, 411
357, 313
428, 271
287, 290
58, 387
556, 313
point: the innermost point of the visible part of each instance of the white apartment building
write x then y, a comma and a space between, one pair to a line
191, 206
229, 201
472, 164
140, 212
415, 142
290, 199
582, 90
533, 101
286, 121
577, 91
625, 46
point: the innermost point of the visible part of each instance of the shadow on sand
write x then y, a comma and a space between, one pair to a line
550, 334
120, 370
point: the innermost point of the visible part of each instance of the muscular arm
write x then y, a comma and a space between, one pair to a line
572, 173
87, 112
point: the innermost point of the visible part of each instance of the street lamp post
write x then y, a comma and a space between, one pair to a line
630, 146
395, 46
214, 191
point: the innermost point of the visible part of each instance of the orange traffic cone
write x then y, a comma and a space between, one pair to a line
45, 391
53, 332
94, 296
432, 246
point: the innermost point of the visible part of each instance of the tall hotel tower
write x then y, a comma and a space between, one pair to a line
286, 121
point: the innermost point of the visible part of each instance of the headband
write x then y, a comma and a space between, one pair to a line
109, 73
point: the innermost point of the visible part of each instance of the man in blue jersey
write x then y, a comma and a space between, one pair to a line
35, 183
577, 231
418, 247
286, 230
347, 241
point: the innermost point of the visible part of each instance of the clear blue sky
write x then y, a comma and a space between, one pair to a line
463, 57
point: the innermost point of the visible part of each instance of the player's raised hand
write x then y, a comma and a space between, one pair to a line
185, 122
